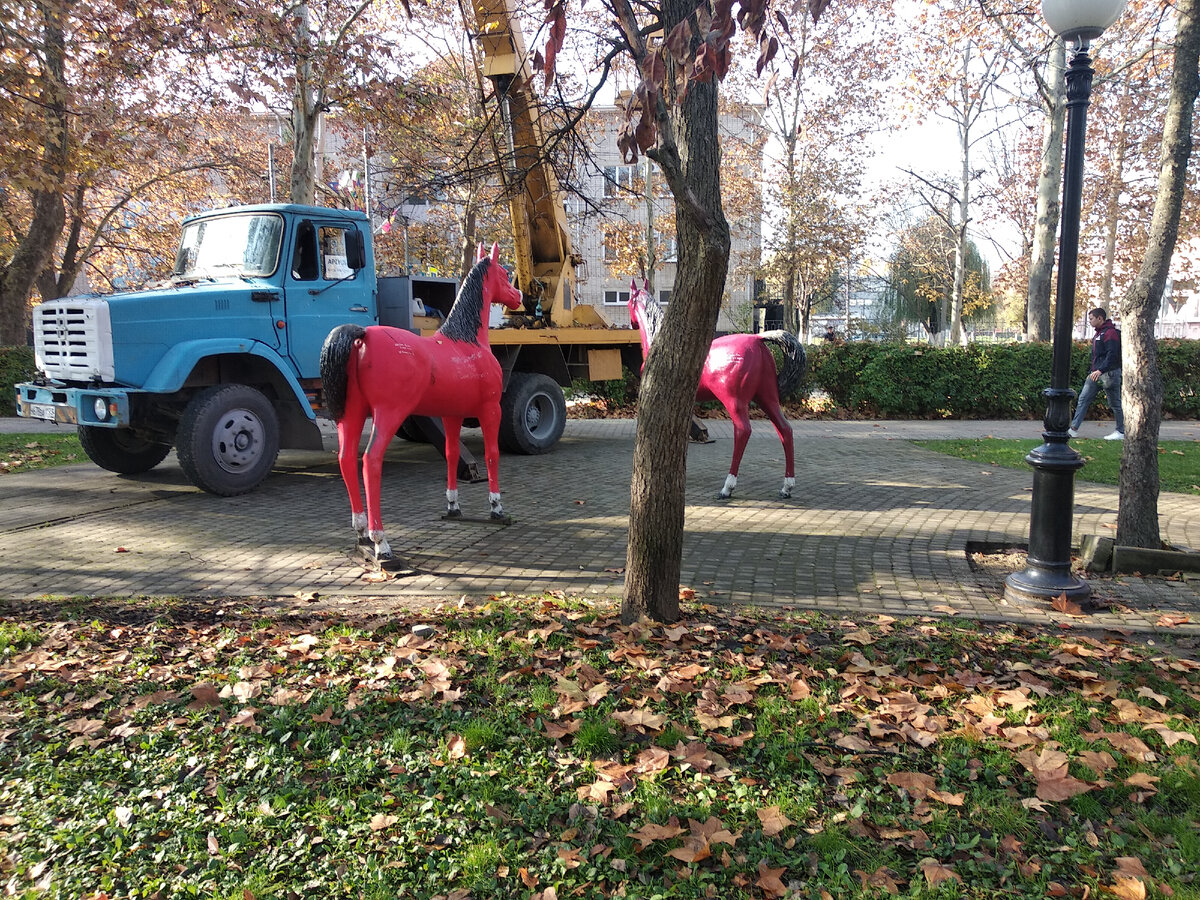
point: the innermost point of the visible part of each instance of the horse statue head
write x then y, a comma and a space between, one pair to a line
497, 286
485, 284
645, 312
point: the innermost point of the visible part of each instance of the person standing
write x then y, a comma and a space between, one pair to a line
1105, 372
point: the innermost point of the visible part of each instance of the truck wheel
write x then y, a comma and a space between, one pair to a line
228, 439
410, 431
533, 414
121, 449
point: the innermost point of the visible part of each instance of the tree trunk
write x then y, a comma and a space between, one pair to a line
36, 248
1137, 516
689, 159
1112, 213
306, 112
1049, 189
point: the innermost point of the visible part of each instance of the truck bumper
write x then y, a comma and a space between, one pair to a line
101, 407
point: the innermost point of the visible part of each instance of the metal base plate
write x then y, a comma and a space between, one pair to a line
478, 520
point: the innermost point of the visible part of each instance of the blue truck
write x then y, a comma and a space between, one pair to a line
221, 360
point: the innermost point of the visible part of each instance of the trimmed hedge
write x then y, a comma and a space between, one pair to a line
16, 365
980, 381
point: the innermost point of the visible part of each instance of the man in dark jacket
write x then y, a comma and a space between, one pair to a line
1106, 372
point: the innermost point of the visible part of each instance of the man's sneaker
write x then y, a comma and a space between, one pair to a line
1073, 432
1115, 436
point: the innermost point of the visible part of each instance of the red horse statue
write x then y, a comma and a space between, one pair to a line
740, 368
390, 374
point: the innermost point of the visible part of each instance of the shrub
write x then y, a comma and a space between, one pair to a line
980, 381
16, 365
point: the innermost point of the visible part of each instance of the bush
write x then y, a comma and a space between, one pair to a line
980, 381
16, 365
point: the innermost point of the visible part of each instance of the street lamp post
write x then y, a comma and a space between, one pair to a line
1047, 572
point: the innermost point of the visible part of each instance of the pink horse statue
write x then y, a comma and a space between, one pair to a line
390, 374
740, 368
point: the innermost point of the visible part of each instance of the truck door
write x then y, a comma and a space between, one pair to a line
323, 292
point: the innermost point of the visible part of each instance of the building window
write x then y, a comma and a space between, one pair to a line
664, 297
668, 248
618, 179
616, 298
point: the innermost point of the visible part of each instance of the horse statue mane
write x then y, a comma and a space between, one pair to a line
462, 324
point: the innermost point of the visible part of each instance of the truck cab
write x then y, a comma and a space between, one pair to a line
220, 360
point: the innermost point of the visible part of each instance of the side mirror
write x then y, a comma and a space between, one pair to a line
356, 250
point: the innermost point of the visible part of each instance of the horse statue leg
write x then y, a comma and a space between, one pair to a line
452, 427
775, 413
384, 425
349, 430
489, 421
739, 412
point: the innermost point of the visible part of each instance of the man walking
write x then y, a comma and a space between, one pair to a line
1105, 372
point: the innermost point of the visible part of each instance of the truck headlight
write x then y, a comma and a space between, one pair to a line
101, 409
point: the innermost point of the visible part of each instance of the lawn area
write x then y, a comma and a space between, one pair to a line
536, 748
25, 452
1178, 461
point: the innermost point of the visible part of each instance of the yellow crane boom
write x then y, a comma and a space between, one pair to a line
544, 260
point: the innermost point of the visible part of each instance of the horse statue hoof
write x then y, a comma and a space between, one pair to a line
724, 496
453, 514
785, 495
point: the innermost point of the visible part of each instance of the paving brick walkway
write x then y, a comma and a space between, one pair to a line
876, 525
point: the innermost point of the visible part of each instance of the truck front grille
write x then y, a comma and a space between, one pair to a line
73, 341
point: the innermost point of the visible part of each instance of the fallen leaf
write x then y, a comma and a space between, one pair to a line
1172, 620
380, 821
769, 880
1063, 605
935, 873
1126, 888
773, 821
651, 832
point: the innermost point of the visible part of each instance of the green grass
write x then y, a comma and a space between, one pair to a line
1178, 461
25, 452
163, 750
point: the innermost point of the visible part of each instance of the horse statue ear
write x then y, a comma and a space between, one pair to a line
495, 253
479, 254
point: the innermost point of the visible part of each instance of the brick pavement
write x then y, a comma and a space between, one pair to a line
876, 525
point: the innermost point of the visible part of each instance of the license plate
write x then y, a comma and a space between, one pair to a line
42, 411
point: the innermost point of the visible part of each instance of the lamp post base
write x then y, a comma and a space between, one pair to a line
1040, 582
1047, 574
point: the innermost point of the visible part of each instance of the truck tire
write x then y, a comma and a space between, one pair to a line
228, 439
121, 449
533, 414
410, 431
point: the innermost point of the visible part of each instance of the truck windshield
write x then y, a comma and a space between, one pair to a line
234, 245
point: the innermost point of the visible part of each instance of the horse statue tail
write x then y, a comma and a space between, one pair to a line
790, 360
335, 354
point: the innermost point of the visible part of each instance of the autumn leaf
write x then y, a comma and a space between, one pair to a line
769, 880
456, 747
326, 718
935, 873
640, 719
1172, 620
651, 832
380, 821
773, 821
1126, 888
916, 783
1063, 605
205, 696
1056, 788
